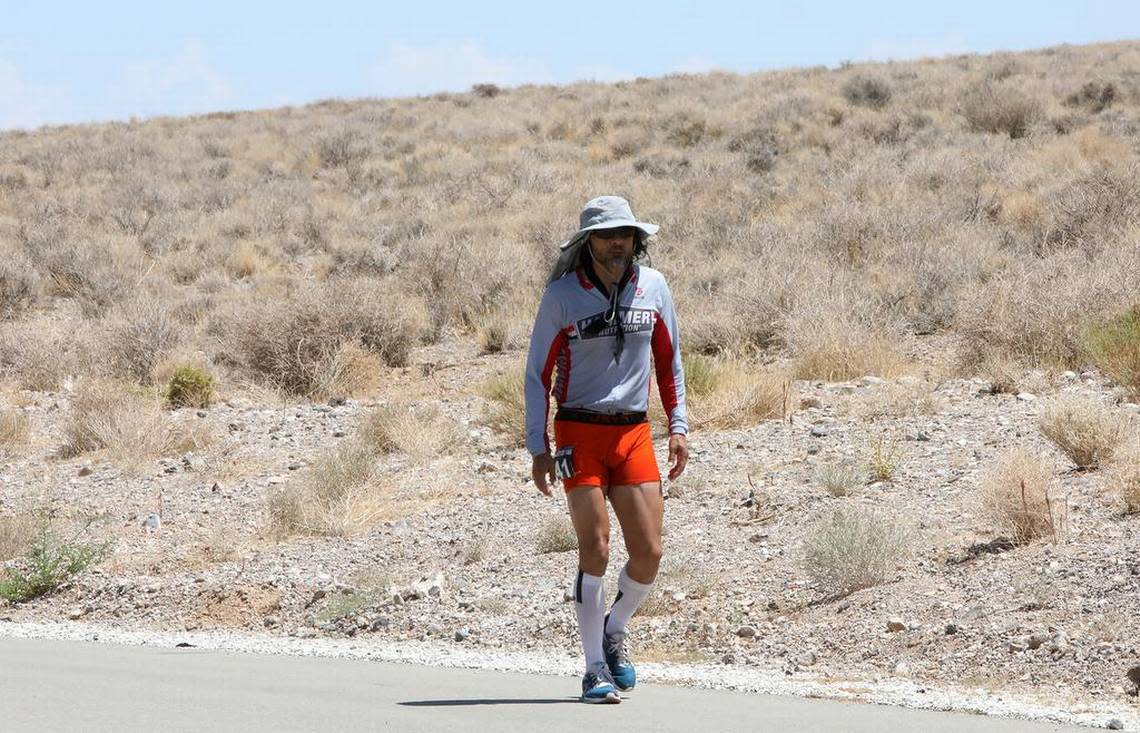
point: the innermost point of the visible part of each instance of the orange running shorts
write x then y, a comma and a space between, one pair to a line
607, 455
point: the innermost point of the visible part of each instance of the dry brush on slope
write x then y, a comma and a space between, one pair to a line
819, 213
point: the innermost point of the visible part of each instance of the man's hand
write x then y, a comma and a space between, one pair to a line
541, 468
678, 455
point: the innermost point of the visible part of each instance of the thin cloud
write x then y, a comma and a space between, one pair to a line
599, 73
408, 69
24, 104
695, 65
185, 82
917, 47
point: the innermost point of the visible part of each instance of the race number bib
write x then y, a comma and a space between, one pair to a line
564, 463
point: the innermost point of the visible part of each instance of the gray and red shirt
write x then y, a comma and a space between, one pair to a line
572, 354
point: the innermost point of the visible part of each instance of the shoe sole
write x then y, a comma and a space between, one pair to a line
612, 698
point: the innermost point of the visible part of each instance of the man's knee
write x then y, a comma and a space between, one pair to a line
646, 558
596, 548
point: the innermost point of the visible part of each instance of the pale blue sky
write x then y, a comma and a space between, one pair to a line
74, 62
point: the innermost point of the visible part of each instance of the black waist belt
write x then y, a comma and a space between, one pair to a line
599, 418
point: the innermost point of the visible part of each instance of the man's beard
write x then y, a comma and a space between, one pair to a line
614, 261
617, 262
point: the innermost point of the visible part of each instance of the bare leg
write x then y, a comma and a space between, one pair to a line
640, 510
592, 525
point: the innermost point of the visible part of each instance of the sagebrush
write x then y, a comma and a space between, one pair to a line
854, 549
832, 216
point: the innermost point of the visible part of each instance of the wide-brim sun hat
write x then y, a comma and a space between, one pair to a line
608, 212
603, 212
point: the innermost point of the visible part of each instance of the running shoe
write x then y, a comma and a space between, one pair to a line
597, 687
617, 659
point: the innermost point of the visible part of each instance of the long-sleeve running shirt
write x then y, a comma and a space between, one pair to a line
572, 352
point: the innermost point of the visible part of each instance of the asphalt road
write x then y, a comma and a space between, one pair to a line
75, 686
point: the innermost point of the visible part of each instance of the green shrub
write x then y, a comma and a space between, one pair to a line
190, 387
49, 564
700, 374
1114, 347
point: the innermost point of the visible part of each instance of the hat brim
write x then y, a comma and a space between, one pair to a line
648, 229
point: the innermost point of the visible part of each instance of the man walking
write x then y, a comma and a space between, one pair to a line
602, 318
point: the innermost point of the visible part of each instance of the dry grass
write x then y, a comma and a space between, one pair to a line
839, 480
128, 422
1021, 492
421, 431
352, 370
1003, 373
14, 430
1114, 346
317, 340
729, 393
141, 334
832, 346
1000, 108
854, 549
1088, 432
506, 411
340, 494
900, 400
883, 460
16, 534
19, 285
868, 91
1124, 479
557, 535
220, 545
822, 215
41, 356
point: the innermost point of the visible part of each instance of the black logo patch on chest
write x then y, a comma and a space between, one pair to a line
633, 320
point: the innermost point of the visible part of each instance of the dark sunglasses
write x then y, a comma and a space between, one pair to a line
615, 233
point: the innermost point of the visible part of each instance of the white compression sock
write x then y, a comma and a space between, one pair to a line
590, 606
629, 597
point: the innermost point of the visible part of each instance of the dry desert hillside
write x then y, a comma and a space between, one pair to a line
261, 370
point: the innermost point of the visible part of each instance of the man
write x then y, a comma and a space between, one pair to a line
601, 319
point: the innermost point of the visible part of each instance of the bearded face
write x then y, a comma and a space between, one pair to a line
613, 248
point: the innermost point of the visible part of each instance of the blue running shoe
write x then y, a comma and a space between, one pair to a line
617, 659
597, 686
